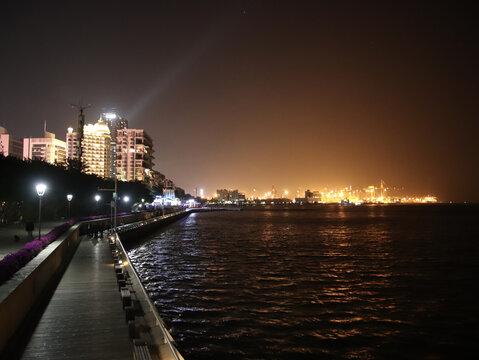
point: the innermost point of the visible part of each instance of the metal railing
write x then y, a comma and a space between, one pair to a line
151, 305
137, 224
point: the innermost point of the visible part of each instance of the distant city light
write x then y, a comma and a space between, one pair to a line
349, 195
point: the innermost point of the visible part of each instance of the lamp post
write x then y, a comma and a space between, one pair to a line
97, 198
114, 201
41, 188
69, 198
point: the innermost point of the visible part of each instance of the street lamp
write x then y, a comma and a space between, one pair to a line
97, 198
41, 188
69, 198
126, 198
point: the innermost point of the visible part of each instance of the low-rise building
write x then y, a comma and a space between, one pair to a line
231, 196
47, 148
9, 146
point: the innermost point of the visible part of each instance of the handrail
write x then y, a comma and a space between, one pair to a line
126, 227
143, 290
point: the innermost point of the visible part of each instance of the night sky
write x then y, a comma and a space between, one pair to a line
246, 94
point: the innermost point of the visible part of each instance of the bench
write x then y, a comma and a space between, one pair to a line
129, 313
118, 268
125, 296
140, 350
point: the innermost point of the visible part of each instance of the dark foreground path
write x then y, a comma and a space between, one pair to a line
84, 319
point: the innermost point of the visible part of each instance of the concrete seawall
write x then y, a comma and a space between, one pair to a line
134, 232
19, 294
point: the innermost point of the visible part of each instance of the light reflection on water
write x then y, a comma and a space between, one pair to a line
335, 282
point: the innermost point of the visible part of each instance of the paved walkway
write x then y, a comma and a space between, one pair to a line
8, 244
84, 319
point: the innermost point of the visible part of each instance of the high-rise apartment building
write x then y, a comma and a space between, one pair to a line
115, 122
9, 146
72, 144
96, 149
134, 156
47, 148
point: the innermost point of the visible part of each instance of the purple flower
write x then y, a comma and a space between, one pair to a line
13, 262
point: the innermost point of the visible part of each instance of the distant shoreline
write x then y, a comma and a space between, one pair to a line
319, 206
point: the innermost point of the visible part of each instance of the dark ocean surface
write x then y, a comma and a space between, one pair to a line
333, 282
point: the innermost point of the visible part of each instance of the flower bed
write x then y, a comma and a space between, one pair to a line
11, 263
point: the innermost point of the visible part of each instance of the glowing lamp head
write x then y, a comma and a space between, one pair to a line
97, 198
110, 116
41, 188
69, 197
126, 198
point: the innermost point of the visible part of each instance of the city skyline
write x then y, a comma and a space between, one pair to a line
376, 193
70, 151
249, 94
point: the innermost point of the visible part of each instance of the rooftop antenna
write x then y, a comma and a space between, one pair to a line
80, 124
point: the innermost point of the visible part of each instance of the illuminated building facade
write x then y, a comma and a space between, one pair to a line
72, 144
169, 190
134, 156
47, 148
312, 197
9, 146
96, 149
232, 196
114, 122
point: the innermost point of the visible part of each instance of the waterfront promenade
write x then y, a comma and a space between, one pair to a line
84, 318
8, 244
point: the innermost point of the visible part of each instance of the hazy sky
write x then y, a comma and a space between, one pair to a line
246, 94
